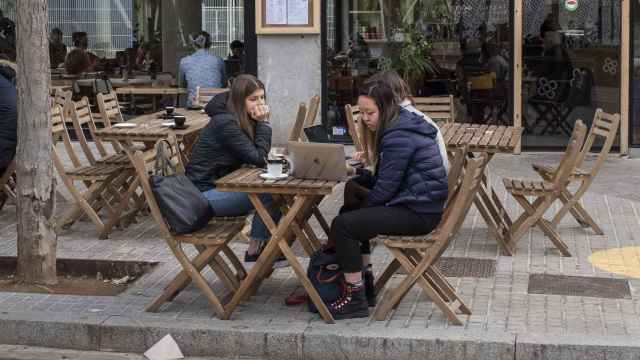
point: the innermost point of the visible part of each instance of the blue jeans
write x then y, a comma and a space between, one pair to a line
238, 204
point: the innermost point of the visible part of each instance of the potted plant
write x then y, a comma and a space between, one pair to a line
409, 53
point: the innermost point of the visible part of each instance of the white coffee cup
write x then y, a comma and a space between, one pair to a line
275, 167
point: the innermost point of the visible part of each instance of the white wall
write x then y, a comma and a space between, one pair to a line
289, 66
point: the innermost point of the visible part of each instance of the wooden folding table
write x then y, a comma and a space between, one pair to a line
490, 139
299, 199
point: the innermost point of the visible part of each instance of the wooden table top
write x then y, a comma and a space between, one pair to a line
150, 127
249, 180
150, 90
482, 138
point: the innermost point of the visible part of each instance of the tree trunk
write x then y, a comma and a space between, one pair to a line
35, 177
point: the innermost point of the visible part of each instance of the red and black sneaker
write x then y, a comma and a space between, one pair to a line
351, 304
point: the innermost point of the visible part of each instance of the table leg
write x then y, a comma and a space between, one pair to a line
281, 232
494, 214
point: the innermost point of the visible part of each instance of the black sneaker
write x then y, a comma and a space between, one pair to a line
281, 261
369, 287
351, 304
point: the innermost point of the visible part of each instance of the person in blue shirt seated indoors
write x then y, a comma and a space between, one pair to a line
406, 193
201, 68
238, 134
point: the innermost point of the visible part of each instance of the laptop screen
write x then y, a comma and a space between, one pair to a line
317, 134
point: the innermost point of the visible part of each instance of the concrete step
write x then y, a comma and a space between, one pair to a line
20, 352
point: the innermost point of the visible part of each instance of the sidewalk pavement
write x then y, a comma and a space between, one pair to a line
509, 318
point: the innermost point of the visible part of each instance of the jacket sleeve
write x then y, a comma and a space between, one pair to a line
249, 152
396, 155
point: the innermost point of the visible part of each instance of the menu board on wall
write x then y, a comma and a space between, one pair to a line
288, 16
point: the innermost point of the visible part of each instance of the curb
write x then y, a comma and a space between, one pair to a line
318, 341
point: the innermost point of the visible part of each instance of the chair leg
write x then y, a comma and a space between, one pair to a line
438, 282
386, 275
241, 273
181, 280
571, 203
534, 213
416, 273
553, 235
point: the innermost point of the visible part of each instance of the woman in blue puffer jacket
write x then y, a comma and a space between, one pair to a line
408, 188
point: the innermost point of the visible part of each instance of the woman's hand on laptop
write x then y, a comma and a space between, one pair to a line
358, 156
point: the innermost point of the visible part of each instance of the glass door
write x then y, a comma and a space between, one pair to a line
635, 68
460, 48
570, 66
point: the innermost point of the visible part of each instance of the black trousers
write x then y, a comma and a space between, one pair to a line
352, 230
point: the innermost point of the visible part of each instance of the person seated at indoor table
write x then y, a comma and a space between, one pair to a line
201, 68
57, 49
80, 41
408, 188
238, 134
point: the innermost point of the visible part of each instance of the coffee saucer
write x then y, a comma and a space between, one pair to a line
268, 176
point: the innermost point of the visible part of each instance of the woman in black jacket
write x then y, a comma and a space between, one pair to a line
238, 134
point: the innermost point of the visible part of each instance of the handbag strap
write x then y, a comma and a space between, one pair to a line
163, 165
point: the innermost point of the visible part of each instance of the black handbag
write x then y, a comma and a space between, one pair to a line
181, 203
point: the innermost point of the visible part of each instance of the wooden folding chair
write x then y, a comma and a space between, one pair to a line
604, 126
362, 138
439, 108
545, 193
204, 95
296, 133
418, 255
5, 186
312, 112
103, 182
81, 114
211, 243
110, 112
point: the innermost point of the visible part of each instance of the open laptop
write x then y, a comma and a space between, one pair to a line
317, 161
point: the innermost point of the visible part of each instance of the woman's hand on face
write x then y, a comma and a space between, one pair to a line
260, 113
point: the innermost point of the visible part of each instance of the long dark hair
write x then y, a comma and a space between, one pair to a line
388, 108
243, 86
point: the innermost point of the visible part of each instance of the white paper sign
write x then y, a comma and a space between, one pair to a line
298, 12
276, 12
165, 349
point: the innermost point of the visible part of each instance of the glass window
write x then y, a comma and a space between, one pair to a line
440, 47
224, 20
108, 23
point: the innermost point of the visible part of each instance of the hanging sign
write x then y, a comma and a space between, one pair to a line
571, 5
